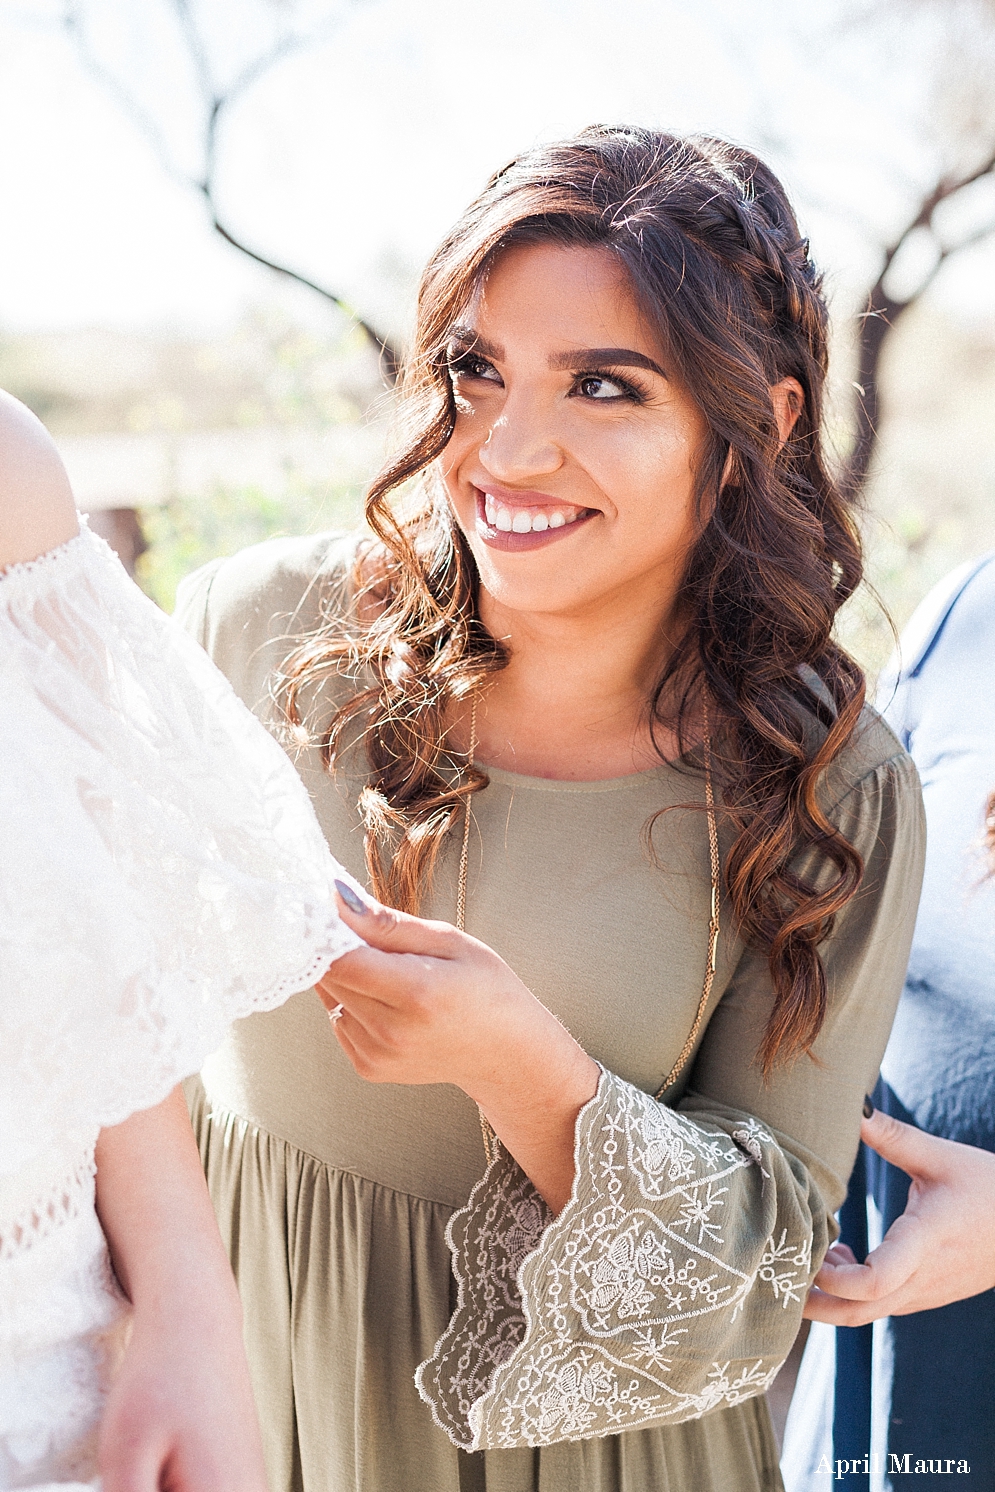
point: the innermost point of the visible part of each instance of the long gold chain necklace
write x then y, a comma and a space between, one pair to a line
488, 1134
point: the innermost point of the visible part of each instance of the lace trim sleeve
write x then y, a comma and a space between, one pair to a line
671, 1284
163, 872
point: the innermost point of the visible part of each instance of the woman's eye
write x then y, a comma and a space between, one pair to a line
598, 386
469, 366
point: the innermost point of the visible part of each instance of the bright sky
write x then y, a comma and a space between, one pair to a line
351, 158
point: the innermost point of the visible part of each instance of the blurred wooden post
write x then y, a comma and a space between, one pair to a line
122, 529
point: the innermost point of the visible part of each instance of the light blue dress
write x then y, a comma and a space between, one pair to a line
923, 1385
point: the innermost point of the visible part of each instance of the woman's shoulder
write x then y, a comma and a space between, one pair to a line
872, 748
280, 587
943, 673
37, 511
870, 792
872, 758
959, 611
250, 611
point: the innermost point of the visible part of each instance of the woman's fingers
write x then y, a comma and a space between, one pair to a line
885, 1270
345, 1031
392, 931
840, 1253
833, 1311
394, 980
911, 1149
846, 1293
363, 1030
404, 958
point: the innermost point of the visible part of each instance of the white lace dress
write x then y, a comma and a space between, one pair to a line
162, 873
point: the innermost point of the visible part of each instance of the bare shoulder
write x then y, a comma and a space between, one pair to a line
37, 512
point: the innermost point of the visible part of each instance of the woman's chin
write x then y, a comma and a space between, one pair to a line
544, 587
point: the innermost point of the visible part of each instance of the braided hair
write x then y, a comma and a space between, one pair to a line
710, 247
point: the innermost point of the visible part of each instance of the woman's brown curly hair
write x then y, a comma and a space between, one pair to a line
710, 246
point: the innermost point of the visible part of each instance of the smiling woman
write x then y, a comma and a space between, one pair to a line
627, 439
579, 696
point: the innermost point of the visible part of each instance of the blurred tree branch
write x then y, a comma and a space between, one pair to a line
217, 101
884, 309
961, 108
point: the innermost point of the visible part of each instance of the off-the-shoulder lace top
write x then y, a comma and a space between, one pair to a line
162, 870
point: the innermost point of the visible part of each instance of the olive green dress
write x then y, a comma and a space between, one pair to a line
626, 1345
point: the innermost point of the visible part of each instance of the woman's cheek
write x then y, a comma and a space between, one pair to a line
647, 480
470, 431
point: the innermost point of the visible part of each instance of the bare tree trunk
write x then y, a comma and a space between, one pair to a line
877, 323
883, 312
390, 357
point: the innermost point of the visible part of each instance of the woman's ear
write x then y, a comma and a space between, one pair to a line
788, 399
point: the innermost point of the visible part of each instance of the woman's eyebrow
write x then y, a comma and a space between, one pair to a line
576, 360
617, 357
471, 341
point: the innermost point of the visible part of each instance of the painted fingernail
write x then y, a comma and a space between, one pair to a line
868, 1106
353, 901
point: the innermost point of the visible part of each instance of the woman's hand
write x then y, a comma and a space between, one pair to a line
180, 1415
941, 1249
425, 1003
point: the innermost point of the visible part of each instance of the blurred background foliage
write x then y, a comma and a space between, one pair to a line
303, 404
187, 532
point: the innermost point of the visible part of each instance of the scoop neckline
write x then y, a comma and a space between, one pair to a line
521, 779
569, 785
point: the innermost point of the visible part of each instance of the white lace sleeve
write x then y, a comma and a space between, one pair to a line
162, 871
672, 1282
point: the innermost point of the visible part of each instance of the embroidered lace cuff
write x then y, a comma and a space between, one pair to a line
672, 1282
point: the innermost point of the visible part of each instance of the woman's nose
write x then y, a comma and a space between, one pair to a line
520, 444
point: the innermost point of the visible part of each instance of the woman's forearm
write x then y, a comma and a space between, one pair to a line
180, 1411
532, 1105
155, 1210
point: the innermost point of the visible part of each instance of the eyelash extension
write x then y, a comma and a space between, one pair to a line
460, 362
631, 390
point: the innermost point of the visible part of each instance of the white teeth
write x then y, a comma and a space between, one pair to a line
526, 520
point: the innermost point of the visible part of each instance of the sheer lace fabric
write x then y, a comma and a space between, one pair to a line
632, 1307
162, 874
63, 1326
163, 870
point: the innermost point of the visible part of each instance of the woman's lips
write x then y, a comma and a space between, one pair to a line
520, 525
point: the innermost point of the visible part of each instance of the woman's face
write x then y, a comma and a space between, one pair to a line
572, 466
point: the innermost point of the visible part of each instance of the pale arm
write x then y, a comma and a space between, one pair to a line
37, 511
180, 1412
941, 1249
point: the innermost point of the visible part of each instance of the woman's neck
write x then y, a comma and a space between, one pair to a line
573, 701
